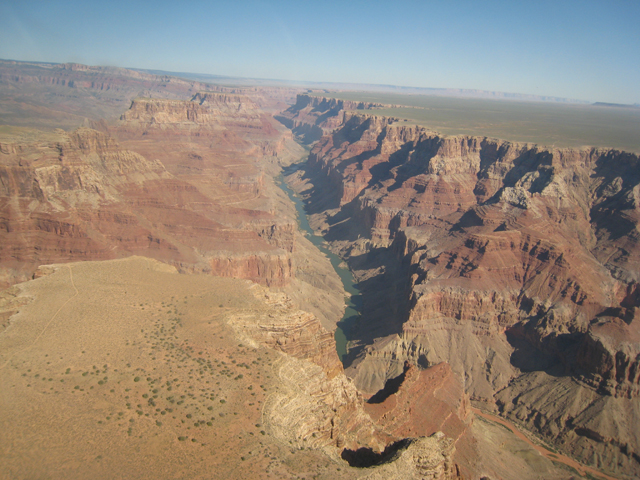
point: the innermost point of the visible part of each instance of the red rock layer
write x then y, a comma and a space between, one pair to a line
425, 402
184, 185
515, 257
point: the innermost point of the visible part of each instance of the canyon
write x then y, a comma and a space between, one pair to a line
143, 228
514, 263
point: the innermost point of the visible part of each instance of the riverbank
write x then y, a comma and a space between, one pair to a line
353, 298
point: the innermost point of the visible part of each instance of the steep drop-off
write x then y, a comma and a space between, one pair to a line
49, 95
516, 264
193, 366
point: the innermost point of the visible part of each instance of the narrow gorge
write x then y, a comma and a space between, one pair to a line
175, 263
514, 263
353, 298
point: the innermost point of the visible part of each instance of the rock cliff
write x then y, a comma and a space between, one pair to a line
311, 117
317, 406
205, 203
504, 260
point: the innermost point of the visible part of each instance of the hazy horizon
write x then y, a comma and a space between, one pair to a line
576, 50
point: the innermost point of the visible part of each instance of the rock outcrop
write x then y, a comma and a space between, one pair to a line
429, 457
187, 182
510, 259
311, 117
317, 406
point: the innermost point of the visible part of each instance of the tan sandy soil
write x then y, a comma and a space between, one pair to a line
126, 369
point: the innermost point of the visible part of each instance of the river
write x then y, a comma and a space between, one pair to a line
353, 299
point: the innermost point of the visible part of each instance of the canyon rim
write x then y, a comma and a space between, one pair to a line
163, 314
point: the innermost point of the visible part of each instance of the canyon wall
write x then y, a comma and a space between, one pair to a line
316, 406
311, 117
49, 95
184, 181
514, 263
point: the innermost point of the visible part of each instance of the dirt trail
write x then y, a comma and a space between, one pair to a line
583, 470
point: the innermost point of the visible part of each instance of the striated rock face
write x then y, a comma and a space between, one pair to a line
317, 406
209, 110
295, 332
270, 269
187, 182
311, 117
499, 258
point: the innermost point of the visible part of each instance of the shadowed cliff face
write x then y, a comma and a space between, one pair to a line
311, 117
507, 261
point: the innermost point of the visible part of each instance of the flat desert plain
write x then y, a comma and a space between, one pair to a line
127, 369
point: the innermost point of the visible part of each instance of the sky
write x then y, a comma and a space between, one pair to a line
580, 49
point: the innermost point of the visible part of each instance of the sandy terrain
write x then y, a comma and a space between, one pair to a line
125, 369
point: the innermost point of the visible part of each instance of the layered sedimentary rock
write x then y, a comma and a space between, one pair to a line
187, 182
317, 406
513, 260
47, 95
311, 117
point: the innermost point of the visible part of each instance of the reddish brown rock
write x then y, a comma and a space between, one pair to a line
498, 258
420, 403
200, 203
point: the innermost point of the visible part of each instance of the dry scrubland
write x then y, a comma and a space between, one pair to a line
126, 369
553, 124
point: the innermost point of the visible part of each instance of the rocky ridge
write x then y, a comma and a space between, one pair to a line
311, 117
516, 262
318, 407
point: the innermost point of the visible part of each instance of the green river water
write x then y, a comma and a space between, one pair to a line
353, 299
